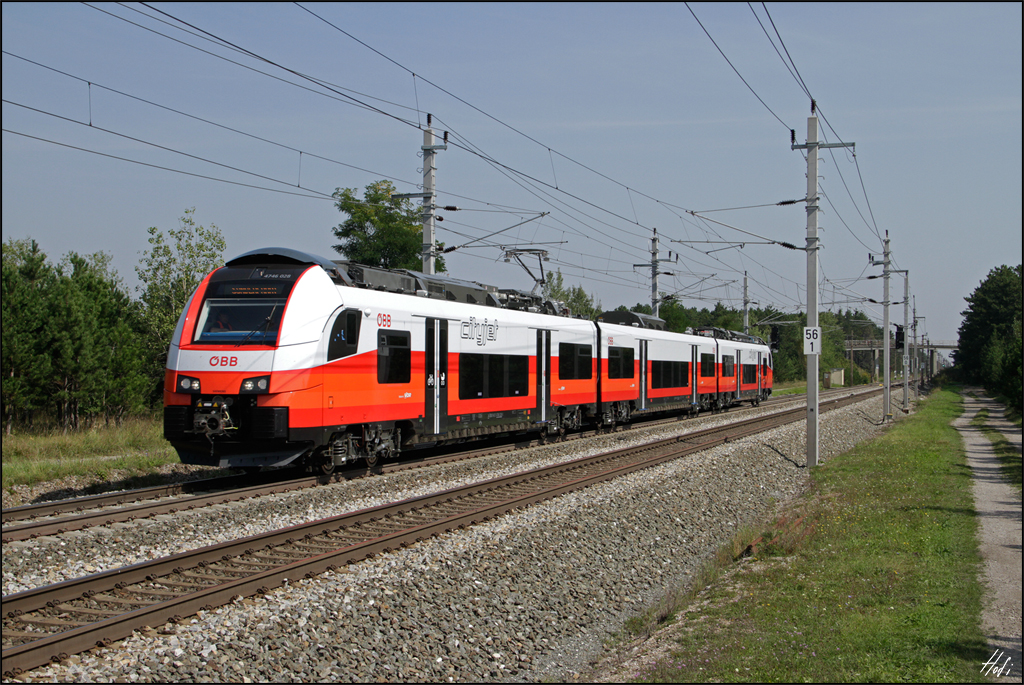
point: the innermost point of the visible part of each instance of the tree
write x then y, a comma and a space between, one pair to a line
72, 339
26, 330
99, 357
381, 230
1012, 378
575, 298
170, 272
987, 332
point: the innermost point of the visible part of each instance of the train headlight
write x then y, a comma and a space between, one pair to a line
255, 386
188, 384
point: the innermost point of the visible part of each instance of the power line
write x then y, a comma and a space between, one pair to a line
206, 121
164, 168
526, 178
164, 147
795, 72
536, 186
722, 53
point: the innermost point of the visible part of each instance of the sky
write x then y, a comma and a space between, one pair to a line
615, 120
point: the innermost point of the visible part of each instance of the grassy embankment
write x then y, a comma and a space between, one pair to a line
138, 444
873, 576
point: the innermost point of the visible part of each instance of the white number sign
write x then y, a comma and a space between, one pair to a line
812, 340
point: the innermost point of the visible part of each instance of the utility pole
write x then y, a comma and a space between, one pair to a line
906, 346
886, 393
746, 303
812, 146
655, 300
430, 149
428, 195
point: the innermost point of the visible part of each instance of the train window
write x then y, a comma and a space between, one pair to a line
252, 321
728, 366
707, 366
243, 305
666, 374
344, 335
750, 373
575, 362
394, 357
620, 362
484, 376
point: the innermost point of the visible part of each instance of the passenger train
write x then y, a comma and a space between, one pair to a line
282, 357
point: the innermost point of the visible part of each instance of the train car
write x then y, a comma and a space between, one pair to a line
709, 370
281, 357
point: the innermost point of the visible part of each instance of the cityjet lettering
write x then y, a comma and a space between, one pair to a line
481, 332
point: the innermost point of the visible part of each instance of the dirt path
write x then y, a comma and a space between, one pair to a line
999, 510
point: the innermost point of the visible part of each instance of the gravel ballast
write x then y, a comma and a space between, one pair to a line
529, 596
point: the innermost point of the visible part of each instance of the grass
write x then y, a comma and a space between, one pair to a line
794, 388
789, 388
870, 577
135, 448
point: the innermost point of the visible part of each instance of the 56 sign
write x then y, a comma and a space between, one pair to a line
812, 340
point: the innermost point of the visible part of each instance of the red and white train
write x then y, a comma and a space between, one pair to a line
282, 357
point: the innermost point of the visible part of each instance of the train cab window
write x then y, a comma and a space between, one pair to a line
575, 362
728, 366
244, 305
620, 362
239, 322
666, 374
394, 357
344, 335
707, 366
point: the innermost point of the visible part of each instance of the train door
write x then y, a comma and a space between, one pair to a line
643, 374
694, 373
739, 373
341, 342
760, 375
543, 374
436, 375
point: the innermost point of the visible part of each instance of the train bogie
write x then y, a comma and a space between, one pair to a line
282, 357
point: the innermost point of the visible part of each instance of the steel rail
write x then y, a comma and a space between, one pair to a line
228, 484
577, 474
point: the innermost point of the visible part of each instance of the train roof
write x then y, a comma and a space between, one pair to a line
402, 281
634, 319
723, 334
285, 255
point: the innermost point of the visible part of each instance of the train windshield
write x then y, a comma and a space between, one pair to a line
243, 306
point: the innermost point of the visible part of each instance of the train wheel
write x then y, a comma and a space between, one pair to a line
372, 460
327, 467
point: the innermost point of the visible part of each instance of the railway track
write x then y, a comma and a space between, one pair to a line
56, 518
55, 621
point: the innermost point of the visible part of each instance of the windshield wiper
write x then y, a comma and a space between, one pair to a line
265, 327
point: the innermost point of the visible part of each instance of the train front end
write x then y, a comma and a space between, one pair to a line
242, 388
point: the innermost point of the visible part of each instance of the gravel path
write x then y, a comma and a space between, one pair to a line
999, 510
530, 596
